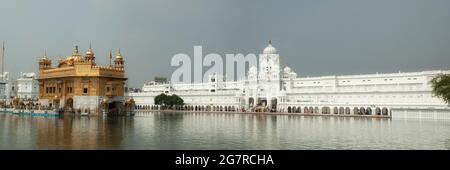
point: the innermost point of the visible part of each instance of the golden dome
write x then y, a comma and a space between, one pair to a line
44, 58
119, 55
89, 52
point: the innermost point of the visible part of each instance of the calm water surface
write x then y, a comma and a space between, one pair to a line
155, 130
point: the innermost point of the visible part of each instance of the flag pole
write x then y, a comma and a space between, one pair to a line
110, 58
3, 59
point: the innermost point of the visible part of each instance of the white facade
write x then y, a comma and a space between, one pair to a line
8, 88
284, 91
27, 86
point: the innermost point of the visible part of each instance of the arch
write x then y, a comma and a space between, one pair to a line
325, 110
347, 110
305, 110
251, 102
369, 111
335, 110
384, 111
377, 111
355, 111
299, 109
274, 102
341, 110
221, 108
289, 109
311, 109
316, 109
294, 109
362, 111
69, 103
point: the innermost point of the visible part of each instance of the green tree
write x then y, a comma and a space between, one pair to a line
441, 86
161, 99
169, 101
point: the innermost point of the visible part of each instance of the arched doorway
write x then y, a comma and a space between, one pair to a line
347, 110
325, 110
299, 110
377, 111
341, 110
369, 111
274, 104
384, 111
335, 110
251, 102
69, 103
355, 111
362, 111
262, 101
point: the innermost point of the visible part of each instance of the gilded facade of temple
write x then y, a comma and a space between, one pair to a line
78, 84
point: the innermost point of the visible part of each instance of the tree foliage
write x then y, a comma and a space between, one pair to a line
169, 101
441, 87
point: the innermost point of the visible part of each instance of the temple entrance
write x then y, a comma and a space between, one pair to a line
251, 102
114, 108
69, 103
274, 104
262, 102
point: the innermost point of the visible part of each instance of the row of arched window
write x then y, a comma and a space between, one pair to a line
338, 110
190, 108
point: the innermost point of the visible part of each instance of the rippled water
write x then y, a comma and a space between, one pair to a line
155, 130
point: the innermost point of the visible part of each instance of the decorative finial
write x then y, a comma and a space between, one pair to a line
90, 45
270, 42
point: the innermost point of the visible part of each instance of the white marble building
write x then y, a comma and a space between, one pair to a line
27, 86
8, 88
284, 91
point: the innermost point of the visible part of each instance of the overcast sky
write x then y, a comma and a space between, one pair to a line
314, 37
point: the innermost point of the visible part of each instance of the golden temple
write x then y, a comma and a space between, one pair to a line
78, 84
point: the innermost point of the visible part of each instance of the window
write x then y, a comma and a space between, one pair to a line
213, 91
85, 90
107, 89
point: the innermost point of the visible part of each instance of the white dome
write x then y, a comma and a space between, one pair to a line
270, 49
287, 69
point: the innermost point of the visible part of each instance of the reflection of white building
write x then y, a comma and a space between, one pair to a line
284, 91
27, 86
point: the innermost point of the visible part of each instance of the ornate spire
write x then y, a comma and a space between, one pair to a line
119, 55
